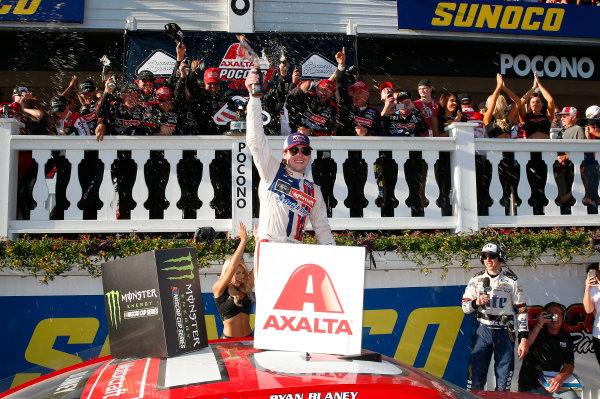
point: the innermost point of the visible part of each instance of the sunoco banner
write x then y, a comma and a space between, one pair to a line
500, 17
313, 55
42, 10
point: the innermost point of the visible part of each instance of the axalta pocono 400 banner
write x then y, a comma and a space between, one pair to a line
313, 55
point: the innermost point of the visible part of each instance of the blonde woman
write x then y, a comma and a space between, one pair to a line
498, 124
233, 292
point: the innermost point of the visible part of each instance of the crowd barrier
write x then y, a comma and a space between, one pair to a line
344, 179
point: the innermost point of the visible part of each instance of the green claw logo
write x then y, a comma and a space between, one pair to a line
189, 266
114, 307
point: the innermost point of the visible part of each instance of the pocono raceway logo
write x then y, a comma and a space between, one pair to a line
236, 66
309, 288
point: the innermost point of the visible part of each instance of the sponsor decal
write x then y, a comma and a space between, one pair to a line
236, 65
159, 63
114, 307
71, 383
315, 66
116, 383
302, 197
309, 287
283, 187
363, 121
129, 123
192, 312
317, 395
188, 266
318, 119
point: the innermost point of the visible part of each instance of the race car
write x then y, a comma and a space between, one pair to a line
233, 368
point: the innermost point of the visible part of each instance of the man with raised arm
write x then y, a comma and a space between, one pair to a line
287, 199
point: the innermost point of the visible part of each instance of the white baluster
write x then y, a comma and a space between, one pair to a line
107, 191
551, 189
205, 190
173, 191
495, 186
371, 190
73, 192
40, 190
140, 189
523, 189
401, 189
432, 190
340, 190
578, 189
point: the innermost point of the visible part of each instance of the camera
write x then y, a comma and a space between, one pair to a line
188, 63
400, 106
551, 316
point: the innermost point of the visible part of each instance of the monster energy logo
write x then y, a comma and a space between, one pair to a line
114, 307
189, 266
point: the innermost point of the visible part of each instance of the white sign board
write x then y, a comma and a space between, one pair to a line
309, 298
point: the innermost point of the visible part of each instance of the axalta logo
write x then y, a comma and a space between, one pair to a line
114, 307
187, 266
236, 66
501, 17
549, 66
302, 197
309, 289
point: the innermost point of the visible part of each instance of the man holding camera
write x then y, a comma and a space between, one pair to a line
550, 349
591, 303
496, 296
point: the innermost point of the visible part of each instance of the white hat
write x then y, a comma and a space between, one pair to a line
592, 111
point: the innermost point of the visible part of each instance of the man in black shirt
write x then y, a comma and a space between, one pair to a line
550, 349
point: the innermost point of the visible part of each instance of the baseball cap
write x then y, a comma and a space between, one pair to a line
360, 85
592, 111
386, 85
211, 75
87, 86
465, 98
164, 93
20, 89
327, 84
295, 139
58, 103
424, 82
490, 248
568, 111
145, 75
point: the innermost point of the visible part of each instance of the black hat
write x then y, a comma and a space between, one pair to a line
145, 74
424, 82
465, 98
403, 95
87, 86
58, 104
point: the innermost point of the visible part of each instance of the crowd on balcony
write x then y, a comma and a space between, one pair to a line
191, 102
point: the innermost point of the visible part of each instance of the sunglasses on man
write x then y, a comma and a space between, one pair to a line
305, 151
485, 256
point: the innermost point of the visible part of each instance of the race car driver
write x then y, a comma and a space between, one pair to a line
287, 199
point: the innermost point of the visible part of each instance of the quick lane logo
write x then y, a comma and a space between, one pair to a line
189, 266
309, 288
114, 307
492, 16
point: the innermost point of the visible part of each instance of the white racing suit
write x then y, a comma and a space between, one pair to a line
287, 199
495, 325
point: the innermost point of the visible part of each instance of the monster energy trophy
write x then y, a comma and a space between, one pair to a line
154, 304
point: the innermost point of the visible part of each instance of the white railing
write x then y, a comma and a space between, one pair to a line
461, 145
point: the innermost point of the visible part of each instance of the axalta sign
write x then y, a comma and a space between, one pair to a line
309, 302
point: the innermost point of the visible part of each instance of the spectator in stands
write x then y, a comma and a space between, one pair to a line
428, 106
550, 349
571, 130
591, 303
536, 113
497, 121
591, 171
482, 108
312, 110
449, 112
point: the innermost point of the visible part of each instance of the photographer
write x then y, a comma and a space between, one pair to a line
550, 349
496, 297
591, 303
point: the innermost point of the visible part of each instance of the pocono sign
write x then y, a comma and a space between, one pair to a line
309, 298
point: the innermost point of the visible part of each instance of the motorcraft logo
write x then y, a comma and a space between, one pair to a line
309, 288
302, 197
363, 121
188, 266
116, 384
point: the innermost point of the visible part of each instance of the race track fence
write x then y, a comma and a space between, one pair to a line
463, 196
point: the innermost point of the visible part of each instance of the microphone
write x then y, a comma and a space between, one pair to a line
486, 287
